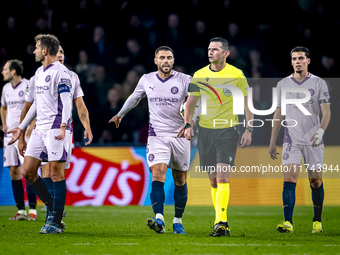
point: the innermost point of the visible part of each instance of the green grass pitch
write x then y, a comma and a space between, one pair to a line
122, 230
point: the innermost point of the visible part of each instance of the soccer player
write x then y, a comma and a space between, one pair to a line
217, 140
12, 103
165, 90
83, 113
303, 137
53, 107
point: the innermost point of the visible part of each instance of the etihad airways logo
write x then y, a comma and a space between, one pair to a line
163, 100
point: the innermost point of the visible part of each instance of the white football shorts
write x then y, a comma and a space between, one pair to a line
313, 157
68, 147
43, 146
165, 149
11, 153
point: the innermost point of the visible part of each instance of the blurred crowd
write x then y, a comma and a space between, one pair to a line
111, 44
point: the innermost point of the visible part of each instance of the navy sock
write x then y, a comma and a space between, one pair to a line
18, 192
181, 197
50, 187
32, 197
59, 200
318, 195
42, 192
288, 199
157, 197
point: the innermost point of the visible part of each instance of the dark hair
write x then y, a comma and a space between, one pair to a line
300, 49
16, 65
49, 42
225, 43
166, 48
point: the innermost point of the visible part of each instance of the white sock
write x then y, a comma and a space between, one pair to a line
32, 211
22, 212
177, 220
160, 216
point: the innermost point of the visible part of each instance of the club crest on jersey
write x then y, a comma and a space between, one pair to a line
174, 90
48, 78
21, 93
227, 92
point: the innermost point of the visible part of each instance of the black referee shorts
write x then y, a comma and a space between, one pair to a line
217, 146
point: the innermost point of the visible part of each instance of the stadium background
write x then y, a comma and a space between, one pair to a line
110, 44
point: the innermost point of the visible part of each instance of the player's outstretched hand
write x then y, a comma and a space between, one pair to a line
246, 139
115, 119
16, 132
88, 134
62, 131
272, 151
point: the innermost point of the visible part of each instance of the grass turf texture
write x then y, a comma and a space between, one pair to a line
122, 230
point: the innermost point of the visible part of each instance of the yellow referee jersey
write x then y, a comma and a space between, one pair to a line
219, 100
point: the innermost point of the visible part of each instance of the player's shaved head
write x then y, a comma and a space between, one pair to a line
165, 48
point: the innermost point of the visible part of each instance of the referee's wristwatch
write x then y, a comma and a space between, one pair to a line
250, 129
186, 125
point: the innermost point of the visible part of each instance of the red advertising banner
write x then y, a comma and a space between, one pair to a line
109, 176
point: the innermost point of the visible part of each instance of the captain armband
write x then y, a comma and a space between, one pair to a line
325, 101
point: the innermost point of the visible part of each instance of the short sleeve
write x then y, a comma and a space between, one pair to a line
243, 84
29, 95
324, 97
278, 91
78, 92
3, 101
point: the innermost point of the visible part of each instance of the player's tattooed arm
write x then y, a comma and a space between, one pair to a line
84, 118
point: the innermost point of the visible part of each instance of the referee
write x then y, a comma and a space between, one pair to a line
217, 140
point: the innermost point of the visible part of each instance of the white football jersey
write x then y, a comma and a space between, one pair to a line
164, 99
307, 125
46, 94
14, 99
76, 89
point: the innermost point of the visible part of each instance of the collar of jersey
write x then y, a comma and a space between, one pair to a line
166, 79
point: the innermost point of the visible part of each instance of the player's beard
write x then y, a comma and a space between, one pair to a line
39, 58
8, 79
160, 68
